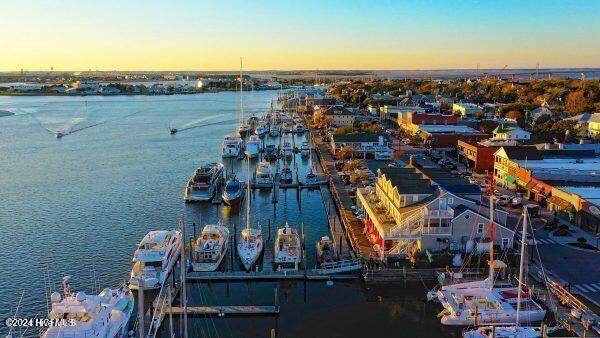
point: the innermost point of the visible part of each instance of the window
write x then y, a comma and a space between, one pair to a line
505, 243
415, 198
480, 228
442, 203
450, 200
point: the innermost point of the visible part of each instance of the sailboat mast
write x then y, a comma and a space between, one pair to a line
248, 194
491, 188
241, 94
521, 264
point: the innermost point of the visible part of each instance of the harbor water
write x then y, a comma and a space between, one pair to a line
77, 205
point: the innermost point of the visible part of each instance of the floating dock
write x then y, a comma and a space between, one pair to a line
225, 310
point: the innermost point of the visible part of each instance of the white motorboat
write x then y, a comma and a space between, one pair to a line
243, 129
299, 128
270, 152
305, 149
253, 146
81, 315
287, 248
287, 128
232, 194
326, 251
210, 248
154, 258
250, 245
274, 130
286, 150
252, 120
286, 176
507, 332
261, 130
204, 183
263, 174
232, 145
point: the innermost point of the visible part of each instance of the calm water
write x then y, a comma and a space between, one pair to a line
78, 205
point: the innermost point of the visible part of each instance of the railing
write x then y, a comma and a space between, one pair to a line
410, 226
437, 230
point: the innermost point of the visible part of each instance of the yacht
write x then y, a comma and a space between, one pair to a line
58, 134
232, 146
243, 129
263, 174
270, 152
232, 194
204, 183
172, 130
305, 149
253, 146
252, 120
287, 128
299, 128
312, 179
286, 176
154, 258
326, 252
273, 130
210, 248
250, 245
507, 332
104, 315
286, 150
287, 248
261, 130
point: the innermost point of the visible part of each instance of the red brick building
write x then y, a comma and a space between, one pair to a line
479, 157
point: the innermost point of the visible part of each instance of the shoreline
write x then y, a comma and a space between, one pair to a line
127, 94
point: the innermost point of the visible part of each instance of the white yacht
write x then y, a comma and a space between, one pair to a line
286, 176
243, 129
299, 128
273, 130
232, 194
261, 130
232, 145
507, 332
286, 150
204, 182
210, 248
263, 174
305, 149
287, 128
104, 315
287, 248
253, 146
250, 245
270, 152
154, 258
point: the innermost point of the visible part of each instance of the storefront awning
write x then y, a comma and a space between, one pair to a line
521, 183
530, 185
539, 188
560, 203
510, 179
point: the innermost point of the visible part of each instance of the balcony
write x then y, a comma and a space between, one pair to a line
435, 230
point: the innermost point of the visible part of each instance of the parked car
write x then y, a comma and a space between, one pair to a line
503, 200
516, 201
497, 193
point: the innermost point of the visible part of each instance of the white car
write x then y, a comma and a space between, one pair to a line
504, 200
529, 240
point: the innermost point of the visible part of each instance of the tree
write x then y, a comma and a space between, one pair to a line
577, 102
542, 119
345, 152
487, 126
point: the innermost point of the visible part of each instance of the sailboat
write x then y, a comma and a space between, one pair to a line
250, 245
512, 331
243, 129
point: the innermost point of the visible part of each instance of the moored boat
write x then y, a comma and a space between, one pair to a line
305, 149
326, 252
204, 183
273, 130
287, 248
81, 315
250, 245
154, 258
263, 174
253, 146
210, 248
232, 193
232, 146
270, 152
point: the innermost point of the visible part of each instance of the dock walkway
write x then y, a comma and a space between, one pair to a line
225, 310
353, 226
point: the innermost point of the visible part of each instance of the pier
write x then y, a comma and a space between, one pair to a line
225, 310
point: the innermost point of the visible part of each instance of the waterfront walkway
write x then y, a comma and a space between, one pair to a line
353, 227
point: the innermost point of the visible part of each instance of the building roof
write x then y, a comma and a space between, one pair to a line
357, 137
407, 181
589, 193
448, 129
586, 117
522, 152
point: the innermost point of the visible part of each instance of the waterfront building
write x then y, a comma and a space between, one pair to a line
364, 144
466, 109
506, 133
339, 115
407, 211
588, 123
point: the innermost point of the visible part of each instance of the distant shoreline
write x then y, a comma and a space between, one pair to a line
122, 94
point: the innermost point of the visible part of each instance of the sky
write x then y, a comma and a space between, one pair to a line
297, 35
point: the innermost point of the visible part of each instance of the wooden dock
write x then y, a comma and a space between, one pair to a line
225, 310
268, 254
313, 274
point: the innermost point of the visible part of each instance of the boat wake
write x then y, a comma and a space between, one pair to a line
195, 122
72, 126
208, 124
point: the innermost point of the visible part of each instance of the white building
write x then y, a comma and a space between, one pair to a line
465, 109
508, 133
539, 111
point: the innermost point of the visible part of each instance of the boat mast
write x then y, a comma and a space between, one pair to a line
521, 264
248, 196
491, 193
241, 95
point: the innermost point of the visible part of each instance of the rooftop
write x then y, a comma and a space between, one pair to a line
589, 193
357, 137
448, 129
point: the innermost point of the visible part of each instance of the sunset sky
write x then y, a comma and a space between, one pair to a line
212, 35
